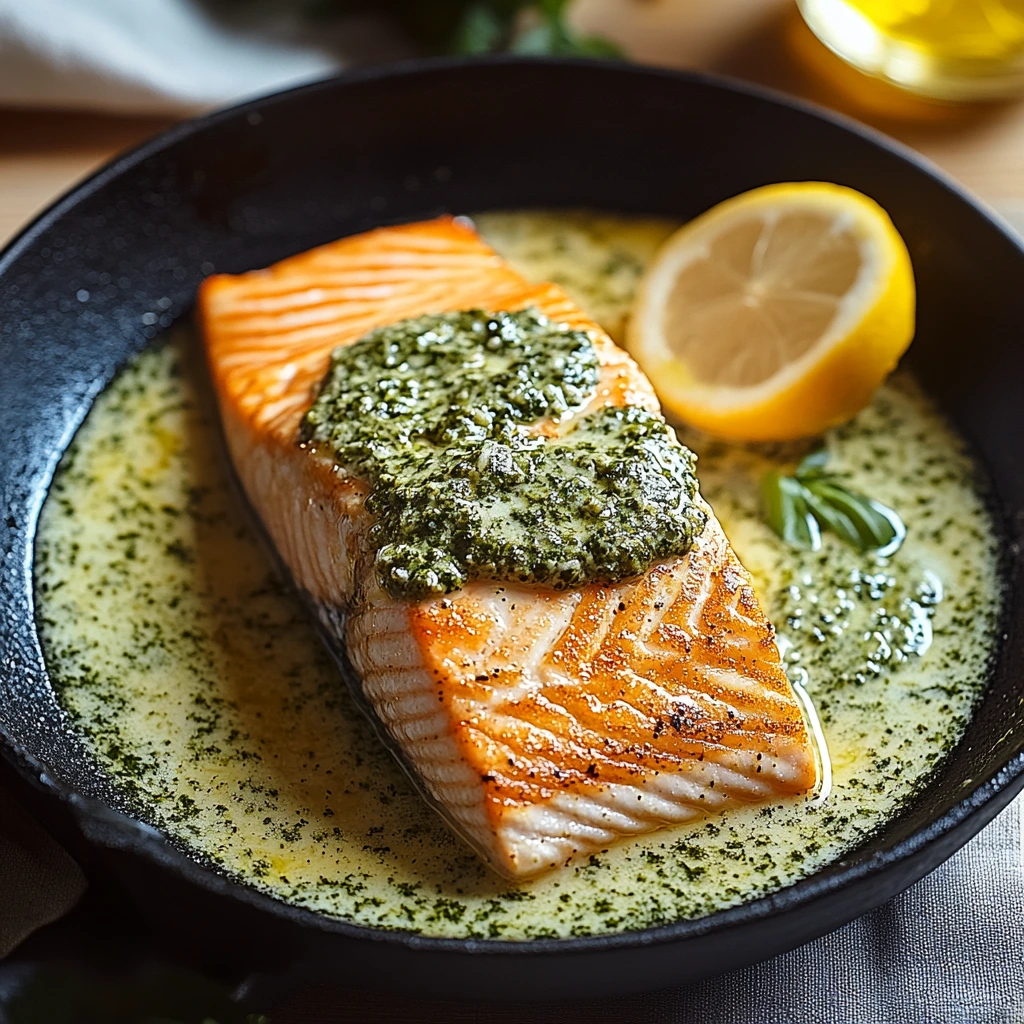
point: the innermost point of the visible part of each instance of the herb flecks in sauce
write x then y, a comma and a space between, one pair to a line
890, 615
438, 414
198, 684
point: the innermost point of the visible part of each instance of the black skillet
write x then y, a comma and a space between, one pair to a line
119, 258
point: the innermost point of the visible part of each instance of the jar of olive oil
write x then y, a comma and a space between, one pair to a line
941, 49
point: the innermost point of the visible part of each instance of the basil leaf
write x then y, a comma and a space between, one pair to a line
812, 465
899, 529
799, 507
785, 506
772, 502
831, 518
874, 524
478, 26
596, 46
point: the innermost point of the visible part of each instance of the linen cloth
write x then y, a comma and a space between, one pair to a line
39, 881
169, 56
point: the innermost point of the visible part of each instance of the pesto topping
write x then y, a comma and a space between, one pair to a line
436, 413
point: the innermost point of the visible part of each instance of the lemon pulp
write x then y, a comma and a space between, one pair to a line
776, 314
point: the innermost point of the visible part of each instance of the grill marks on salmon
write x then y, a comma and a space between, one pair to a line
541, 724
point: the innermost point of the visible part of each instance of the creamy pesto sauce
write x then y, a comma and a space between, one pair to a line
195, 678
437, 414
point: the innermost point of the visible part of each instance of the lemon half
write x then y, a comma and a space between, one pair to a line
777, 313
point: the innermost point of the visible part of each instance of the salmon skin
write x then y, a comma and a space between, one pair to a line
543, 725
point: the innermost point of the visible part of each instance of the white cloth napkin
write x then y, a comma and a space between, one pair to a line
168, 56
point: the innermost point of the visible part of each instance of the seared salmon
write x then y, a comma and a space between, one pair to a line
542, 724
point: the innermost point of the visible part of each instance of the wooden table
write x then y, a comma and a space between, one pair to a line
43, 153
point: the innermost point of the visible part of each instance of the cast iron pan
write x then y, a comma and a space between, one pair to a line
118, 260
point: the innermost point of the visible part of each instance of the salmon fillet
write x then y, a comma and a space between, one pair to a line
541, 724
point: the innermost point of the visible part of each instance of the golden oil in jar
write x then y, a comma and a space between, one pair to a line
941, 49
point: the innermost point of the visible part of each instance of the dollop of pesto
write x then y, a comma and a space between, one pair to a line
436, 414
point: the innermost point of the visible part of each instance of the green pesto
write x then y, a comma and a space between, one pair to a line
436, 412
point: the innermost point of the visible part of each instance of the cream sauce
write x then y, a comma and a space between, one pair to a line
197, 681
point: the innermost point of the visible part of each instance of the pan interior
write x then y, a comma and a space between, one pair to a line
212, 706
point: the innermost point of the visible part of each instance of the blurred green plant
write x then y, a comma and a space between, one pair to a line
482, 26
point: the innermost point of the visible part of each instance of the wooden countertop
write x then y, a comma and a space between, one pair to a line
42, 153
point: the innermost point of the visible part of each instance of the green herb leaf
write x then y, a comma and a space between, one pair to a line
786, 509
553, 8
899, 529
813, 494
595, 46
813, 464
874, 529
831, 518
480, 26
